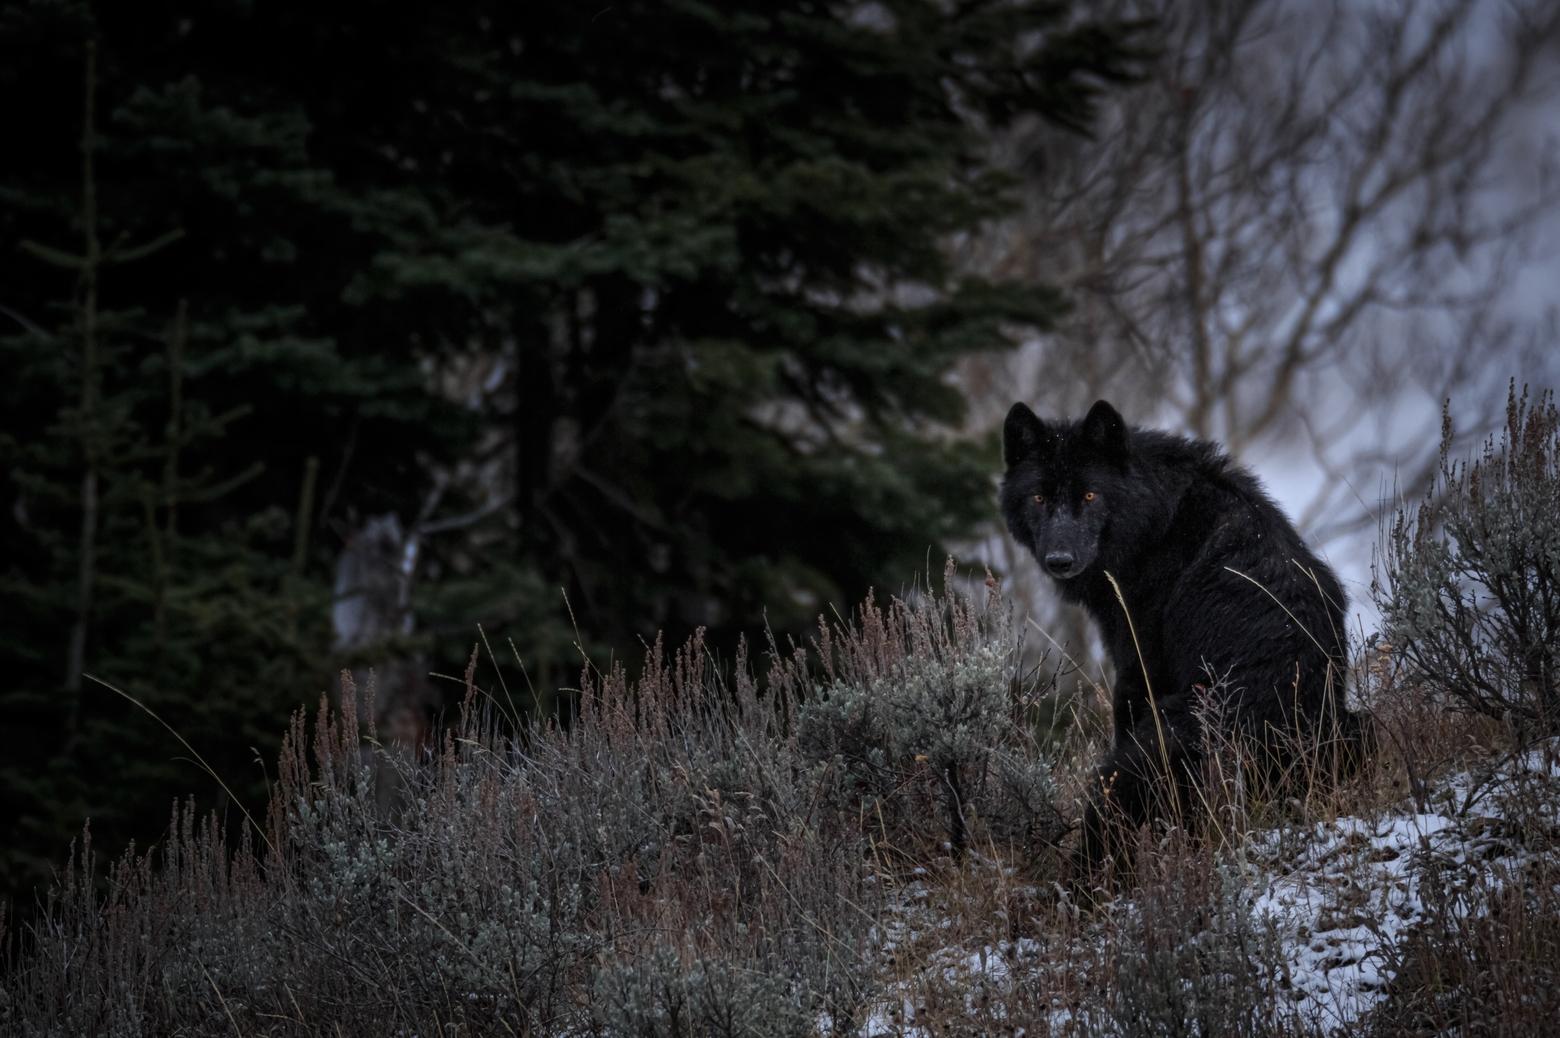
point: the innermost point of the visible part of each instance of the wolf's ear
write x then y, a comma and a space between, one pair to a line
1024, 434
1105, 432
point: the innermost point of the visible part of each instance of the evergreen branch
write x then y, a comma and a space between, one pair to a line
157, 244
301, 525
232, 414
54, 257
21, 319
223, 488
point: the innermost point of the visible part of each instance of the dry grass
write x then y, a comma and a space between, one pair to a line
869, 840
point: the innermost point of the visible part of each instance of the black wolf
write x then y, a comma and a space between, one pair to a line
1217, 591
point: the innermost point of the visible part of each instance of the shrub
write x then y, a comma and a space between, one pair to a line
923, 719
1482, 962
1468, 582
1193, 961
665, 996
692, 854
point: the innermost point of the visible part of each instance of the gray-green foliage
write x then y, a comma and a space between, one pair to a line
1469, 581
690, 856
456, 911
940, 724
663, 996
1194, 963
948, 711
1019, 799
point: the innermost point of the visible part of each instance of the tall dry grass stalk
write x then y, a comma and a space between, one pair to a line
858, 836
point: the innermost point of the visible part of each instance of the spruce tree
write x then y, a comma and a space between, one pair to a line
703, 246
179, 409
713, 239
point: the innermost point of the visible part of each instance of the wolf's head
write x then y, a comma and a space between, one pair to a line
1061, 483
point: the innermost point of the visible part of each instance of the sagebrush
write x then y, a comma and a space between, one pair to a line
695, 853
1468, 581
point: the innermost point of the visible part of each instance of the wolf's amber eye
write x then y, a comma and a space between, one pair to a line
1039, 499
1088, 495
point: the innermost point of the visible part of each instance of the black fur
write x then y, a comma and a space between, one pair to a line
1181, 527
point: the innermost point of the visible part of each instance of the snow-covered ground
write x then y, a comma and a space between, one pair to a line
1352, 892
1338, 897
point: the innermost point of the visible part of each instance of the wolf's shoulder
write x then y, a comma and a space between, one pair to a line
1168, 453
1211, 489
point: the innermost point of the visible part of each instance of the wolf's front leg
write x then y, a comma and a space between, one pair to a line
1148, 774
1128, 705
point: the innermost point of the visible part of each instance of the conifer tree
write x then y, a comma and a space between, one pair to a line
169, 408
713, 240
704, 249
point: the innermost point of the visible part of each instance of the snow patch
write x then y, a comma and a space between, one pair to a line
1353, 892
1340, 896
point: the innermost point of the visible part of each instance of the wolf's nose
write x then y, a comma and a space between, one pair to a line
1058, 562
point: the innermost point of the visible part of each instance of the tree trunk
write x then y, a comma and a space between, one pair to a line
86, 571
